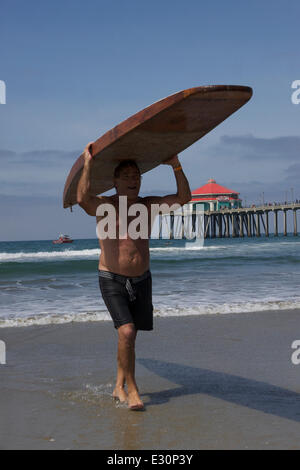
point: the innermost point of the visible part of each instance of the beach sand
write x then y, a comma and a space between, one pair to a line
208, 382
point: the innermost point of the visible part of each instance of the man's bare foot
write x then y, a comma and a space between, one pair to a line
134, 401
120, 394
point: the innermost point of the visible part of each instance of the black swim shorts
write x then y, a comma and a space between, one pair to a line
128, 299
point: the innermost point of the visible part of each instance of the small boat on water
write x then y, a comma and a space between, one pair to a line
63, 239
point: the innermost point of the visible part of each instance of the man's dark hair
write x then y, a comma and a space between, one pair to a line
125, 164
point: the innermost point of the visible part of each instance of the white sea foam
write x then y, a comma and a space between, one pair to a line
84, 254
172, 311
188, 246
225, 308
49, 319
48, 255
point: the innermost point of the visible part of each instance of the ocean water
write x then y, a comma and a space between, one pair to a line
42, 283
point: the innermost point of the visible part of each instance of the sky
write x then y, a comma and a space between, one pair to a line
75, 69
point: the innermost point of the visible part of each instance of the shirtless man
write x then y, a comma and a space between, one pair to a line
124, 277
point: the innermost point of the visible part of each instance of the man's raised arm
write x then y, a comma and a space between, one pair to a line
88, 202
183, 194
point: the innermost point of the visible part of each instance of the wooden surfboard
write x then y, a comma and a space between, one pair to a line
156, 133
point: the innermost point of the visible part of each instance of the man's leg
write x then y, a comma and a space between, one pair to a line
126, 367
119, 391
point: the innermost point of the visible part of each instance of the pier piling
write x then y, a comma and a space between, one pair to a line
241, 222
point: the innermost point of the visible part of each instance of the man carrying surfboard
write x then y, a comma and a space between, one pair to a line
124, 276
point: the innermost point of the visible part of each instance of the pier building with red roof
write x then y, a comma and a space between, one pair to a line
214, 197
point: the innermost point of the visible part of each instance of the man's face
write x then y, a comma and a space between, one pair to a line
129, 182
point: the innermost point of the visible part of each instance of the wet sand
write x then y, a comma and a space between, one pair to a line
208, 382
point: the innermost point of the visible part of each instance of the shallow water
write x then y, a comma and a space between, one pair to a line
42, 283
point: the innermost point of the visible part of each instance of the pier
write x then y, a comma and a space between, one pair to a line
248, 221
231, 223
